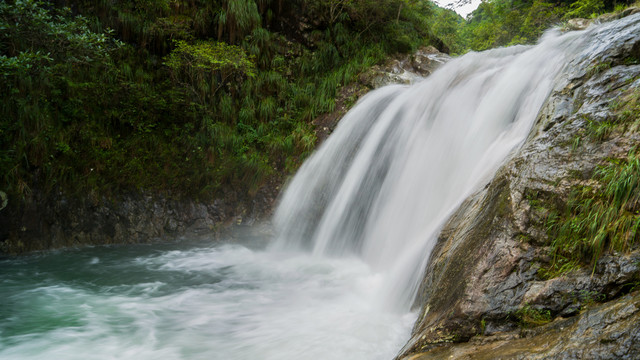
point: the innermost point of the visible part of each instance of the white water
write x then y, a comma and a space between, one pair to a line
224, 302
405, 157
356, 226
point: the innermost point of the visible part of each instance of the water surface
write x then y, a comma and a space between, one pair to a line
193, 300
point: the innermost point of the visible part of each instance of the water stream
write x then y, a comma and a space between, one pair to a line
192, 301
383, 184
353, 232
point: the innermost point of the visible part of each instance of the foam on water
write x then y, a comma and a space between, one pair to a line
224, 302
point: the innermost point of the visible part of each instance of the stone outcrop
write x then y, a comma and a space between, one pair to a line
405, 69
56, 221
483, 280
605, 331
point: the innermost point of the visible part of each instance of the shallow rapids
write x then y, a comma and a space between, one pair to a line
195, 301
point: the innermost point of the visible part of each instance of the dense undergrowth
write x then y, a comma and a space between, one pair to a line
191, 97
180, 97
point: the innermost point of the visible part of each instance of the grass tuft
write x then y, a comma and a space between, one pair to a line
597, 219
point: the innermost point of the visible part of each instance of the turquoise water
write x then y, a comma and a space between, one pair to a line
193, 300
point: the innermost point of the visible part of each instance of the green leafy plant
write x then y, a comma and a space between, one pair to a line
585, 9
184, 98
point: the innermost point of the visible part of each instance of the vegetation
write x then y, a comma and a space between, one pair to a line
181, 97
498, 23
605, 214
192, 97
528, 316
598, 218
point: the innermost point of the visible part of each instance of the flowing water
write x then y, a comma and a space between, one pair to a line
383, 184
354, 230
192, 301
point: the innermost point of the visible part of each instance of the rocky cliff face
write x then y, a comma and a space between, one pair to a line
484, 295
53, 221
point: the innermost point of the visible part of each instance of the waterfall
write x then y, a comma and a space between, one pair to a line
405, 157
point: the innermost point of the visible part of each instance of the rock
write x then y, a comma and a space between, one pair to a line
607, 331
484, 270
45, 222
578, 24
615, 16
406, 69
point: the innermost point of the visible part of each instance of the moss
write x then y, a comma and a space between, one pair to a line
598, 68
560, 265
627, 109
528, 316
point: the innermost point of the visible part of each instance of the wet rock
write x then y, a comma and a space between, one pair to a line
578, 24
56, 221
607, 331
484, 269
406, 69
615, 16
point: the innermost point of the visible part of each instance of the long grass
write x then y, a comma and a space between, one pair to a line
185, 97
598, 219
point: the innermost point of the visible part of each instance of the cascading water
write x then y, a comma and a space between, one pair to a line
355, 228
382, 185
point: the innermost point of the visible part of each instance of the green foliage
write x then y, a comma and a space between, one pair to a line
508, 22
598, 218
598, 68
627, 109
205, 67
447, 26
239, 17
590, 297
183, 97
586, 9
529, 317
498, 23
47, 56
